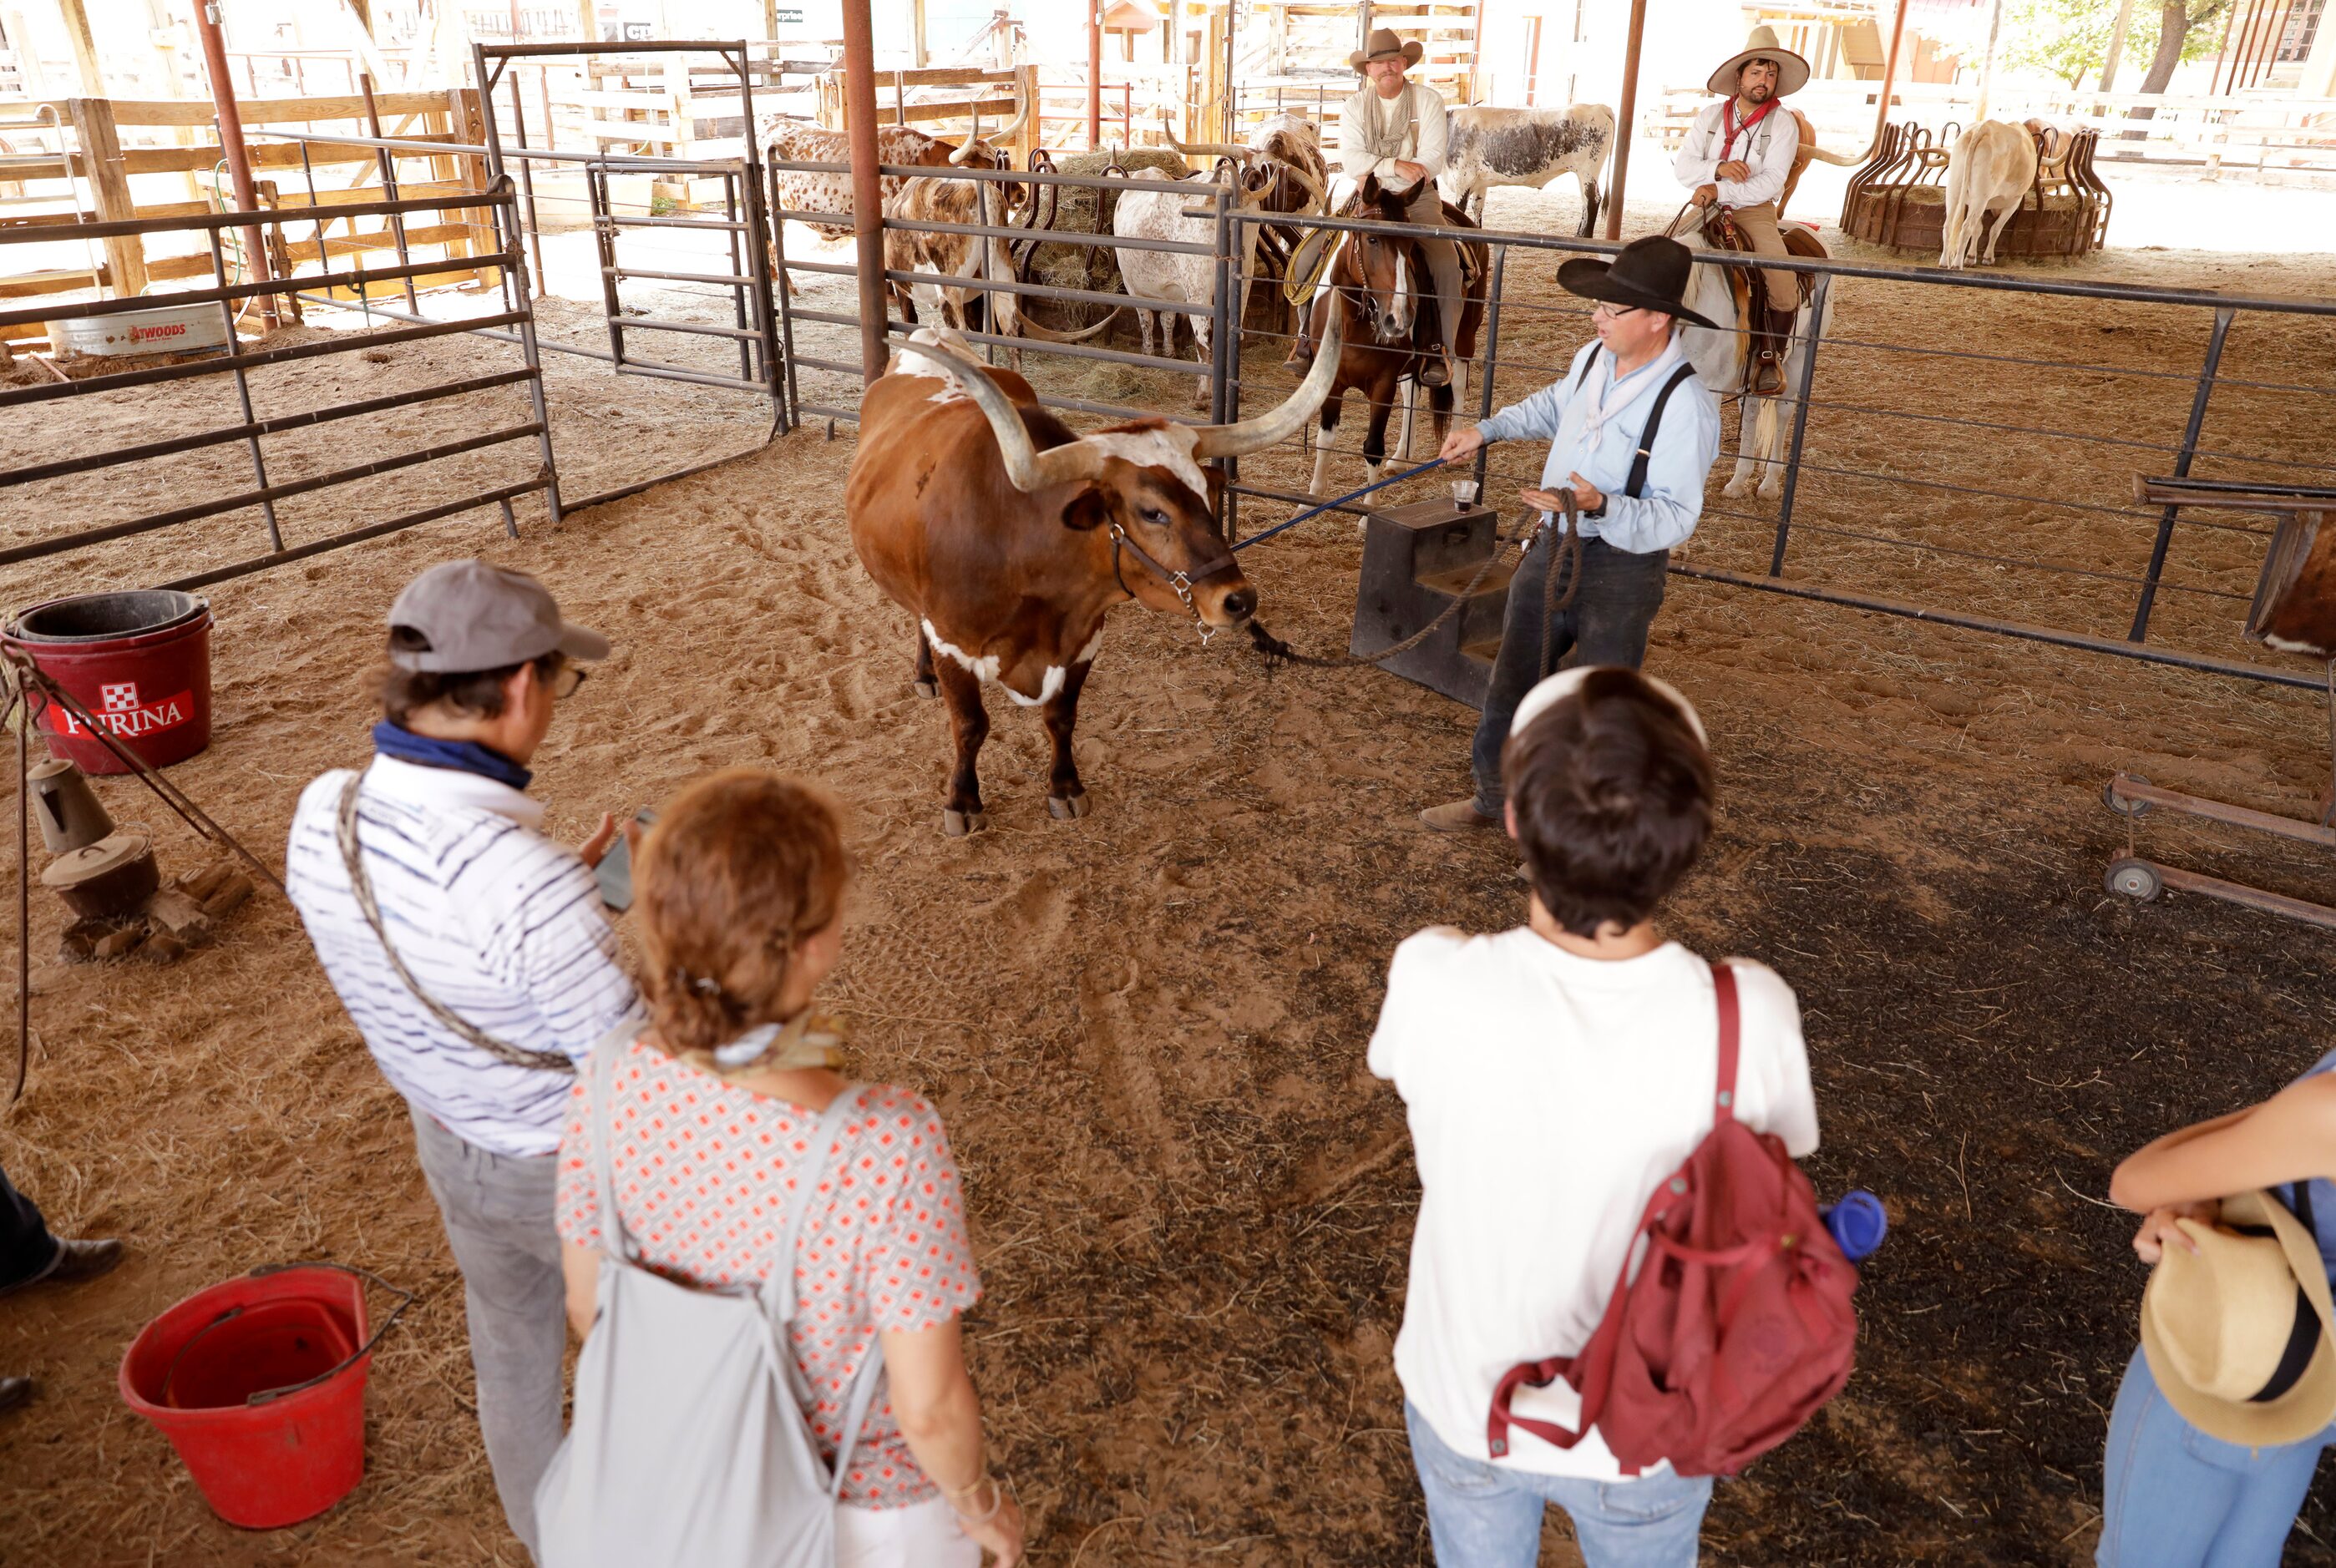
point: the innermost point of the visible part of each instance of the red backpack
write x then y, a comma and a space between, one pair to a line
1739, 1325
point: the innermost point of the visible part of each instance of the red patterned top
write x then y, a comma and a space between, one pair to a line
702, 1171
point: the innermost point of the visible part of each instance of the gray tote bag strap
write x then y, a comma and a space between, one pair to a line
779, 1288
361, 886
613, 1238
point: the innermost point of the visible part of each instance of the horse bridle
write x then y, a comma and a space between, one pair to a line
1182, 582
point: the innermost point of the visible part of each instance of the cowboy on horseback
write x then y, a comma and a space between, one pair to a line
1632, 434
1395, 128
1736, 163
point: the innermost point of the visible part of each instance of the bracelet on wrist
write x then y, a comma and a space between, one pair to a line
973, 1491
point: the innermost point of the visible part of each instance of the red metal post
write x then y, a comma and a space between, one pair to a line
1095, 75
230, 130
867, 209
1626, 123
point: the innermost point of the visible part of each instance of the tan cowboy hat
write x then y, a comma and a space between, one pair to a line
1385, 45
2238, 1334
1792, 71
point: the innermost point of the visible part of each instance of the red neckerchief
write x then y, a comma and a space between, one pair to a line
1729, 122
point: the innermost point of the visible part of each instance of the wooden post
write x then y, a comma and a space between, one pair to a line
1026, 140
588, 18
677, 94
84, 46
917, 34
101, 155
1095, 75
1626, 123
867, 211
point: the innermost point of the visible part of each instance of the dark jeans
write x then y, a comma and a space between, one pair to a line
1606, 625
26, 1248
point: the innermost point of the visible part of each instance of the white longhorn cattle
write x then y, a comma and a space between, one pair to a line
1529, 147
1989, 170
1182, 276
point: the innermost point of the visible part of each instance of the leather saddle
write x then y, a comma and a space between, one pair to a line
1770, 321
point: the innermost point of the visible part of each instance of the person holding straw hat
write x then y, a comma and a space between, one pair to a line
2225, 1407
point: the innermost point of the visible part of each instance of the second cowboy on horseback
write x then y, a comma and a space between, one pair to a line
1736, 162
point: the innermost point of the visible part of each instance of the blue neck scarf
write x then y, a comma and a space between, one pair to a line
392, 740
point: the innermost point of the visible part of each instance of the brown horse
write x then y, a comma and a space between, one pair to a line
1382, 290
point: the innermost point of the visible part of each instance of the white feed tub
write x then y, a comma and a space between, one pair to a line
165, 329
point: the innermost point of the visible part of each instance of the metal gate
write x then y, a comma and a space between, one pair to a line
741, 225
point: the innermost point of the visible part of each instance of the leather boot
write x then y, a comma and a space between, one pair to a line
1301, 356
1435, 368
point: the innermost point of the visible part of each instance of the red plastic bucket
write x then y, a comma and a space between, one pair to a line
139, 661
259, 1385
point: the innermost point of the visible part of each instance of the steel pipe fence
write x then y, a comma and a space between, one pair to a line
237, 362
1860, 371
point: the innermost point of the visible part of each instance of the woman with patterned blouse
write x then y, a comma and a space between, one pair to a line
740, 894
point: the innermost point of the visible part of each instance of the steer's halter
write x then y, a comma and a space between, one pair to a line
1180, 581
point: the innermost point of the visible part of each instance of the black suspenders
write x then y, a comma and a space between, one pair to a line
1635, 485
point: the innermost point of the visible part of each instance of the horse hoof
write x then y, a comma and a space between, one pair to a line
928, 687
1068, 808
1734, 489
958, 823
1771, 492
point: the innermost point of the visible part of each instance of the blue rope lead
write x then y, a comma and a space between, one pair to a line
1339, 501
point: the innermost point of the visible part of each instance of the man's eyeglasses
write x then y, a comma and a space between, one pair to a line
565, 681
1613, 312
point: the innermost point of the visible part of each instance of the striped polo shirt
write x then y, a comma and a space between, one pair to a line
500, 924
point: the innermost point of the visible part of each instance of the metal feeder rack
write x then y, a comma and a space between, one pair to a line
2294, 609
1898, 196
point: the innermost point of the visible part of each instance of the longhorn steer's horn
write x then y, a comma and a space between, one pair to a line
1029, 469
1250, 435
964, 149
1044, 333
1013, 128
1846, 160
1206, 149
1317, 195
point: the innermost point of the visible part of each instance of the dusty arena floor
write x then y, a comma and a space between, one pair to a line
1191, 1201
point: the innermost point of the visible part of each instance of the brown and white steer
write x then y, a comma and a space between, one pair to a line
1990, 170
1008, 537
785, 140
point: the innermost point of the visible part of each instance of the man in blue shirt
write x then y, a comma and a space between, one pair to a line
1595, 420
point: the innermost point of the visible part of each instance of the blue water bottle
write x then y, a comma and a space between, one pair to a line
1857, 1223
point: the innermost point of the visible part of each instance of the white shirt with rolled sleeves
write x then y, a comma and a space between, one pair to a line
1547, 1094
498, 922
1428, 127
1685, 444
1768, 153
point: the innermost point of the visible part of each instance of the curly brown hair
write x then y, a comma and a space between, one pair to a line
738, 870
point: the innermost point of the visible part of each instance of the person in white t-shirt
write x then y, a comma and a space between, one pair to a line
1553, 1075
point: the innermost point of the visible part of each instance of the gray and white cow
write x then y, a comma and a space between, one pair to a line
1529, 147
1183, 277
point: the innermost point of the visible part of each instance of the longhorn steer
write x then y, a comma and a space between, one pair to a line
1530, 147
789, 140
1008, 537
1183, 277
1990, 170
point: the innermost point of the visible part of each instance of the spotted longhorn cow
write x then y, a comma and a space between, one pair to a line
787, 139
1009, 536
1485, 146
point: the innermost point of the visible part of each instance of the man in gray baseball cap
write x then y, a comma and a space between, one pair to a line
474, 956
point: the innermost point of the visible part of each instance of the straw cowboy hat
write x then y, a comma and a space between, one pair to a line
1792, 71
2238, 1333
1650, 273
1384, 45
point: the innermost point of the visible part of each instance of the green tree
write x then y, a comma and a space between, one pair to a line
2070, 38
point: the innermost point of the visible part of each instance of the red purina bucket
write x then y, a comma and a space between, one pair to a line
138, 661
259, 1385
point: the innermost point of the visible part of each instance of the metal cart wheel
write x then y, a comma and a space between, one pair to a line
2135, 879
2126, 807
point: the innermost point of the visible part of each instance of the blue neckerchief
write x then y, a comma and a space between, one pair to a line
392, 740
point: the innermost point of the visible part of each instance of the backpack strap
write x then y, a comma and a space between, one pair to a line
1635, 485
1731, 1032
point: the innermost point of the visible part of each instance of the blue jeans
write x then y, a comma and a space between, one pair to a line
1606, 625
2174, 1497
1483, 1516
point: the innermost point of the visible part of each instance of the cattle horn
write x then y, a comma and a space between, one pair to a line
1846, 160
964, 149
1319, 197
1013, 128
1206, 149
1279, 425
1029, 469
1033, 329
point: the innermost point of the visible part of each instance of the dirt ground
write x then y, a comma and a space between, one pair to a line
1145, 1030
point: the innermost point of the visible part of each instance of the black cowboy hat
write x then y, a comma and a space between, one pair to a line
1648, 273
